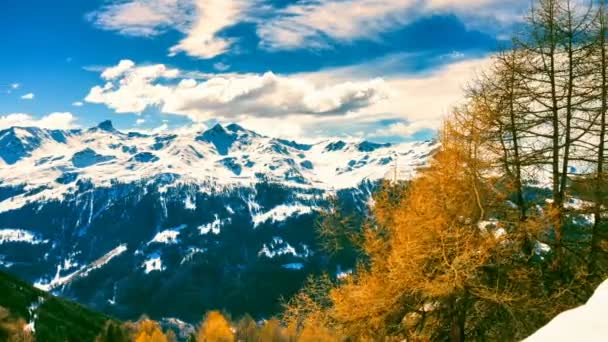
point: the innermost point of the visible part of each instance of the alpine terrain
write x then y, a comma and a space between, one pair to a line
122, 222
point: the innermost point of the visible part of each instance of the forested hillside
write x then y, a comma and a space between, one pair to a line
27, 312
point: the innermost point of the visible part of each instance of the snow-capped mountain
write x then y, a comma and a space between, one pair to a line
175, 224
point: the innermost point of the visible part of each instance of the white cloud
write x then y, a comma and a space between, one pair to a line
28, 96
233, 96
405, 129
135, 90
77, 104
15, 86
299, 25
309, 23
58, 120
118, 70
162, 128
323, 103
202, 38
414, 98
143, 17
416, 102
269, 95
200, 20
139, 121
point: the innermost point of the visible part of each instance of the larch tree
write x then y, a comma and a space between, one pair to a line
215, 328
149, 331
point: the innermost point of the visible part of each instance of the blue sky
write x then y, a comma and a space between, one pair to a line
380, 69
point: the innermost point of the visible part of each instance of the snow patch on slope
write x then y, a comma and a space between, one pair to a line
168, 236
587, 323
212, 227
153, 263
32, 311
19, 235
59, 280
279, 247
280, 213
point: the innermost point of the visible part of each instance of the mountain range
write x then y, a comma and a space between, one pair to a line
175, 224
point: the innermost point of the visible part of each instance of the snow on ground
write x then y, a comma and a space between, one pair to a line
212, 227
588, 323
192, 251
278, 247
51, 166
541, 248
190, 203
4, 262
153, 263
343, 274
280, 213
32, 311
59, 280
19, 235
185, 330
104, 259
168, 236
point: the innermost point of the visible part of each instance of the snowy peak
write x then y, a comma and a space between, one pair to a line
219, 137
220, 157
17, 143
335, 146
223, 139
106, 126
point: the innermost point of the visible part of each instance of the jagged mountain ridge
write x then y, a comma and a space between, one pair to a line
222, 156
175, 224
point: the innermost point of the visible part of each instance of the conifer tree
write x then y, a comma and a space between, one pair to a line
149, 331
247, 329
215, 328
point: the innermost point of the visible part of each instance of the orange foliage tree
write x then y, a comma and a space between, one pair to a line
215, 328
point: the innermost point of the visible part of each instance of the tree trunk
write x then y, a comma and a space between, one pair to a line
597, 211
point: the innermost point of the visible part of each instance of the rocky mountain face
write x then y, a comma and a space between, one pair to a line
175, 224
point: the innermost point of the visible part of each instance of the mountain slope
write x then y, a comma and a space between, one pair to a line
50, 318
176, 224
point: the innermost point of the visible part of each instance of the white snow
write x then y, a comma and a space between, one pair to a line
59, 280
189, 203
104, 259
278, 247
343, 274
280, 213
5, 263
198, 162
192, 251
19, 235
588, 323
32, 311
541, 248
212, 227
153, 263
168, 236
